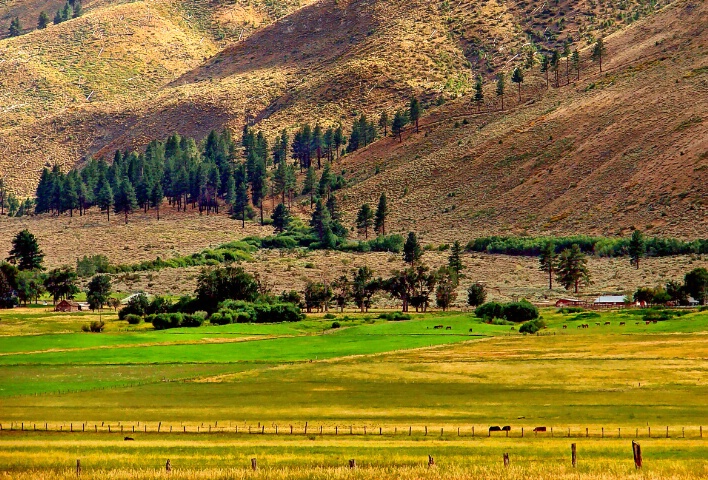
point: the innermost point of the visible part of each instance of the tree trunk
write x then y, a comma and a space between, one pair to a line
550, 279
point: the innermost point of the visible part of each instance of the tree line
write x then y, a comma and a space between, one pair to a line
71, 9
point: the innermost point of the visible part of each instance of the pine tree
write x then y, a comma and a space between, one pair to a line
399, 122
454, 261
3, 194
125, 201
104, 197
309, 184
25, 252
338, 139
15, 27
325, 183
572, 270
364, 220
78, 10
517, 76
43, 20
156, 197
67, 12
637, 248
321, 223
545, 66
575, 60
57, 18
414, 112
317, 143
241, 198
501, 85
384, 122
478, 92
412, 252
70, 198
598, 51
281, 218
555, 65
547, 261
381, 214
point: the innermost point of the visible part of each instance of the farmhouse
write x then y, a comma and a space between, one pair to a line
610, 301
67, 306
569, 302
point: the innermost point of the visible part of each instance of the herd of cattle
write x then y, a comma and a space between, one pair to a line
507, 428
621, 324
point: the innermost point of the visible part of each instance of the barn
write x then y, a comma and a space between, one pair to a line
67, 306
569, 302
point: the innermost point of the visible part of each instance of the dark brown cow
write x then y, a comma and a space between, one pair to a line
496, 428
621, 324
127, 439
506, 429
438, 327
448, 328
565, 326
539, 429
607, 323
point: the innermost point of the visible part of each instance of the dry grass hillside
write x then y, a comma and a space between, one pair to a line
125, 73
625, 148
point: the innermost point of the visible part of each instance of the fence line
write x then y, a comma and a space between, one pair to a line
353, 429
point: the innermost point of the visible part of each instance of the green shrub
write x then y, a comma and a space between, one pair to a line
520, 311
394, 316
336, 325
94, 327
532, 326
488, 311
329, 316
133, 319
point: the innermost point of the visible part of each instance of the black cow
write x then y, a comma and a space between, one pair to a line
539, 429
506, 429
127, 439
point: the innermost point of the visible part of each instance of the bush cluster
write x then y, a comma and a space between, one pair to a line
601, 246
237, 311
94, 327
163, 321
514, 312
532, 326
395, 316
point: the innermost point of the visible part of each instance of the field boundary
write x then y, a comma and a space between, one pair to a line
360, 429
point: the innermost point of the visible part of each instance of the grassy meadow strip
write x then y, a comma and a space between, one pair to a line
227, 456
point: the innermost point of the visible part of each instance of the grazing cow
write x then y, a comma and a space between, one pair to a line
127, 439
494, 429
470, 330
636, 323
607, 323
513, 328
586, 326
580, 326
621, 324
438, 327
654, 321
506, 429
448, 328
647, 322
539, 429
565, 326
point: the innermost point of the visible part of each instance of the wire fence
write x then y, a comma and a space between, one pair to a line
307, 429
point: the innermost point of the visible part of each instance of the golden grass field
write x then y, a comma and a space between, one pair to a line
616, 382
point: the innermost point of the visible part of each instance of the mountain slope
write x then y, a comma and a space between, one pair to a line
626, 148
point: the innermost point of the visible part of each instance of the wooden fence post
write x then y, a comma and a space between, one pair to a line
254, 466
573, 455
473, 430
426, 430
637, 451
587, 432
168, 466
431, 461
263, 430
522, 432
683, 432
78, 467
603, 432
667, 431
649, 430
159, 425
291, 429
352, 464
701, 427
506, 459
619, 432
364, 429
410, 430
441, 431
305, 428
380, 431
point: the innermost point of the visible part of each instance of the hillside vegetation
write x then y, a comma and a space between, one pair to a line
624, 148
